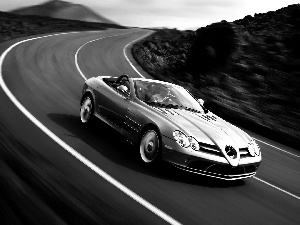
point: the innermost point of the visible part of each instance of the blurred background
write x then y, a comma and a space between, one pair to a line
180, 14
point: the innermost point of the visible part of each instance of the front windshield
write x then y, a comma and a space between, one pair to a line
163, 94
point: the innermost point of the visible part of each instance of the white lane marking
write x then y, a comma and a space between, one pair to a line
124, 52
77, 52
72, 151
295, 196
277, 148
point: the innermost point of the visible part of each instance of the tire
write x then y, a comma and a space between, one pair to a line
86, 109
150, 146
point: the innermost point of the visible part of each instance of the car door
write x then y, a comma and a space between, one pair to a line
134, 120
111, 105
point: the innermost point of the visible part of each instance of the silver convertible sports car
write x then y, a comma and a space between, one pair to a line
167, 123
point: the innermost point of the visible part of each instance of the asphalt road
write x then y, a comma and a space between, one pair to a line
43, 76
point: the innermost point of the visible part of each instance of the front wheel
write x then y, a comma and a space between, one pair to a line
149, 146
86, 109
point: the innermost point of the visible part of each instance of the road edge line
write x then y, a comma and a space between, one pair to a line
97, 39
277, 148
124, 52
69, 149
286, 192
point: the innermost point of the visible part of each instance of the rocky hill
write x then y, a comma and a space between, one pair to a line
63, 10
14, 26
247, 71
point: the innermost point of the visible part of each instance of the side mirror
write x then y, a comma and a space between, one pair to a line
200, 101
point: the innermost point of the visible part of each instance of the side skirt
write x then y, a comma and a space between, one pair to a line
127, 135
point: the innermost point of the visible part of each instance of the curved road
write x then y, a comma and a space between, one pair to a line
43, 76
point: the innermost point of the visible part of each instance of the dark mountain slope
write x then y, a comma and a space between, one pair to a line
15, 26
63, 10
248, 71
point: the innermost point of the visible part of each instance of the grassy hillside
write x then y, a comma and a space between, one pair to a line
247, 71
14, 26
63, 10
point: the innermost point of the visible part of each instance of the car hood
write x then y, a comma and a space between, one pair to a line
207, 128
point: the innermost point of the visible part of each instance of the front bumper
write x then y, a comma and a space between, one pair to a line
208, 164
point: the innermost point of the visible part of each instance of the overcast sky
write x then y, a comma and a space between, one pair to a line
180, 14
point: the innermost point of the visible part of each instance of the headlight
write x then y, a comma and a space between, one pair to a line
193, 143
185, 141
256, 148
253, 148
181, 138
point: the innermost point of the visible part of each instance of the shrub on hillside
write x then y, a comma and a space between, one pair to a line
213, 45
293, 44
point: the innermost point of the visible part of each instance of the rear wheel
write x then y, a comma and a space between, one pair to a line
86, 109
150, 146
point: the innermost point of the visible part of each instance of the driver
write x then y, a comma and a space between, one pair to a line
123, 84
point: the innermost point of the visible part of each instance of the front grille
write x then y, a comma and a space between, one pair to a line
200, 165
211, 167
250, 168
244, 153
211, 149
226, 169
